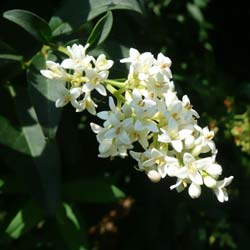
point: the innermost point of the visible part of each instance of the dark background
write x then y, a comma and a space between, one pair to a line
210, 65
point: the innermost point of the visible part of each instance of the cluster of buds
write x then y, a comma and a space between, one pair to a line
146, 120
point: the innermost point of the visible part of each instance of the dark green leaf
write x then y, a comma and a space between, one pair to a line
92, 191
101, 30
35, 160
27, 218
12, 137
30, 22
98, 7
43, 94
5, 48
87, 10
11, 184
58, 27
72, 228
45, 156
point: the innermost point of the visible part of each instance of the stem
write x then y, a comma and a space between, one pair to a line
115, 83
59, 48
115, 92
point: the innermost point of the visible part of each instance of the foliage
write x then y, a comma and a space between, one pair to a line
55, 192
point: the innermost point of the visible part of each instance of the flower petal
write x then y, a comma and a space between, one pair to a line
196, 178
101, 89
177, 145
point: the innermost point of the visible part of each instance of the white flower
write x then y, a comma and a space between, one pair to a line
102, 64
187, 105
162, 65
95, 80
191, 169
144, 110
158, 84
67, 95
54, 71
114, 137
140, 64
133, 56
87, 103
220, 189
153, 159
173, 135
78, 59
205, 140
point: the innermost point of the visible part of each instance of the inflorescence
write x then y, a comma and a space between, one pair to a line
146, 120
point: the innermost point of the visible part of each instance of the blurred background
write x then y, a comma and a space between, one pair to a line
208, 43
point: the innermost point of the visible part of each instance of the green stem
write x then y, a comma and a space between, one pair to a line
115, 83
59, 48
115, 93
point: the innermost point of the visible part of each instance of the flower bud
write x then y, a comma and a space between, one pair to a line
214, 169
154, 176
194, 190
197, 150
209, 181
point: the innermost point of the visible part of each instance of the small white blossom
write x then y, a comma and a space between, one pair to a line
220, 189
54, 71
67, 95
78, 59
95, 80
102, 64
88, 104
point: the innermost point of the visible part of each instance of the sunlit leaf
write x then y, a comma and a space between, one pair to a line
98, 7
35, 160
72, 228
30, 22
58, 27
26, 219
43, 94
12, 137
88, 9
101, 30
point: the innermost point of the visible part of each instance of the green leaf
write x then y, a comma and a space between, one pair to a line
195, 12
35, 160
26, 219
6, 48
72, 228
101, 30
98, 7
89, 9
43, 94
30, 22
11, 57
96, 191
58, 27
12, 137
45, 156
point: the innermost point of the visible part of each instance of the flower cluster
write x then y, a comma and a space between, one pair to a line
151, 116
146, 121
79, 75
